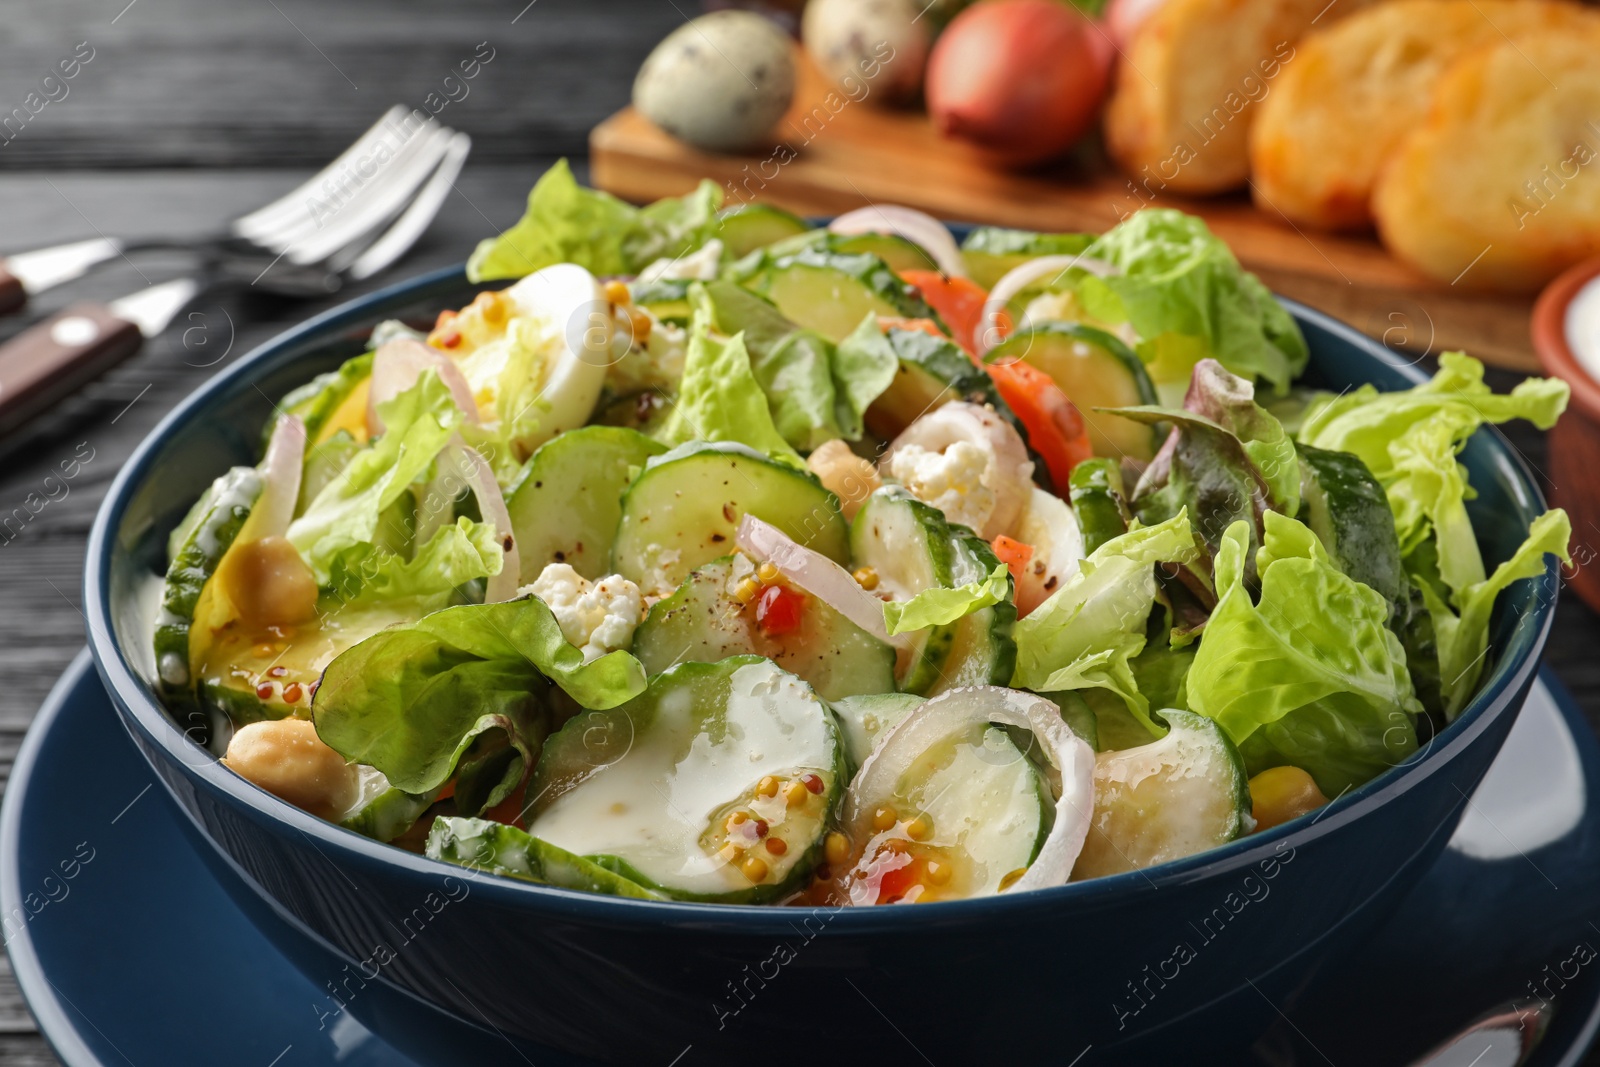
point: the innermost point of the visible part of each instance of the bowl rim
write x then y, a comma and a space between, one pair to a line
1548, 328
145, 717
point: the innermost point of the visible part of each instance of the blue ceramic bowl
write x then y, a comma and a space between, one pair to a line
1183, 960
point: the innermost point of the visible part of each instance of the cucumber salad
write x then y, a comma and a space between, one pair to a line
708, 555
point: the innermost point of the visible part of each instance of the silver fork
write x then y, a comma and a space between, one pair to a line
309, 241
363, 226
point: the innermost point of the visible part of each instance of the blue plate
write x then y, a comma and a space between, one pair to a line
129, 951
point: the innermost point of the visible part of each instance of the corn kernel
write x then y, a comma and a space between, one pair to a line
494, 308
920, 828
866, 578
938, 873
746, 591
884, 818
754, 868
836, 848
617, 293
1279, 794
767, 787
795, 794
768, 573
640, 325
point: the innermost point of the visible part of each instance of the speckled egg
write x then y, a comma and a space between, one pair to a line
875, 50
720, 82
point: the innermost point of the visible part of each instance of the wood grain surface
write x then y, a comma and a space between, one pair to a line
195, 110
837, 154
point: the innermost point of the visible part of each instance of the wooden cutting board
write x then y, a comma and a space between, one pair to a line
839, 155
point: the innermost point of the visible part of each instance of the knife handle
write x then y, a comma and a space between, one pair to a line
12, 294
49, 361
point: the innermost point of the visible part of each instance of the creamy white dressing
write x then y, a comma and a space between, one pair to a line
1583, 327
654, 805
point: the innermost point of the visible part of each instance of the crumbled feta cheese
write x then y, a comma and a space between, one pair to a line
700, 265
597, 617
957, 481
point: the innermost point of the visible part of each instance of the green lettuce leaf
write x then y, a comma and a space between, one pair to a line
1462, 640
567, 223
416, 700
1088, 632
1228, 459
347, 513
456, 554
719, 398
941, 607
1310, 675
1185, 294
1409, 440
564, 223
673, 227
864, 365
793, 366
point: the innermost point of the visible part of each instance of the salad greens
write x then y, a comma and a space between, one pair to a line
1184, 293
1088, 633
1307, 673
719, 398
412, 700
566, 223
780, 581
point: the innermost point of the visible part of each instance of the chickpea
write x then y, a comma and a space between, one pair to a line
845, 474
270, 584
287, 759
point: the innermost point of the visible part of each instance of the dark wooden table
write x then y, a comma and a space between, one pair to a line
194, 110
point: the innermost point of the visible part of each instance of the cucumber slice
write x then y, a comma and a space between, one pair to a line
831, 292
324, 462
912, 547
384, 813
983, 652
194, 549
500, 849
652, 789
1077, 714
893, 249
685, 508
1348, 510
991, 252
960, 799
644, 411
747, 227
865, 718
976, 806
567, 501
933, 371
1165, 800
1095, 370
1099, 501
705, 621
667, 298
231, 666
909, 545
